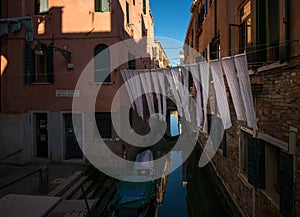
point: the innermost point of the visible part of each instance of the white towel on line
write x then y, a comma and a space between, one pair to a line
220, 91
157, 90
194, 68
235, 91
170, 78
185, 93
133, 82
245, 87
146, 84
204, 76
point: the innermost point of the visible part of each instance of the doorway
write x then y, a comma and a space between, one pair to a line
72, 148
41, 134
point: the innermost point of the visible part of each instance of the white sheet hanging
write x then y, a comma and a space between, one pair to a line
194, 68
138, 94
235, 91
128, 87
204, 76
133, 82
185, 93
157, 90
146, 84
245, 87
220, 91
161, 79
170, 77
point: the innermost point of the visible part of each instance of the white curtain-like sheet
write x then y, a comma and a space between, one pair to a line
245, 87
220, 91
185, 93
161, 79
194, 68
157, 89
235, 91
170, 76
204, 76
133, 82
139, 100
124, 74
146, 83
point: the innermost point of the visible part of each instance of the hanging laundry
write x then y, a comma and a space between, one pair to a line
235, 91
146, 84
185, 93
128, 87
157, 90
139, 100
134, 83
220, 91
204, 76
245, 87
171, 73
161, 79
195, 74
3, 28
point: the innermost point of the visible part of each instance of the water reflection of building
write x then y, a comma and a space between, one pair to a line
162, 182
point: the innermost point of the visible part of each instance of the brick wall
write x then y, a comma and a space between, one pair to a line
276, 97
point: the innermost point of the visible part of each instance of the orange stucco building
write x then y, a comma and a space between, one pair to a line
45, 47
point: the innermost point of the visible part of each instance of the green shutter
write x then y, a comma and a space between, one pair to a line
50, 64
286, 184
29, 59
256, 162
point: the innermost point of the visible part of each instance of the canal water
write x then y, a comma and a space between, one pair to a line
197, 199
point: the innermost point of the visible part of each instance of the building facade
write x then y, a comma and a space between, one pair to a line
45, 47
160, 57
257, 169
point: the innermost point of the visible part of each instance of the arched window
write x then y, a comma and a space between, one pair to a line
102, 63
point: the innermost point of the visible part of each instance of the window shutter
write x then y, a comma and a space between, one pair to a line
256, 162
29, 64
50, 64
286, 184
261, 30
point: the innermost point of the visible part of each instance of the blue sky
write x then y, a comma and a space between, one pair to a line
171, 19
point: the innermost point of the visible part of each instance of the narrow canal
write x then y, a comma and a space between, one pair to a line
197, 199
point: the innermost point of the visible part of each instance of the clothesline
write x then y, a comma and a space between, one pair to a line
154, 82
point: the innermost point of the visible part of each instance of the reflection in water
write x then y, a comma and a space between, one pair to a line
174, 200
198, 199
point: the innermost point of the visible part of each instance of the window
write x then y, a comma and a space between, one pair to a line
102, 64
252, 160
39, 66
272, 172
131, 62
245, 27
102, 5
104, 124
41, 7
127, 13
145, 6
271, 30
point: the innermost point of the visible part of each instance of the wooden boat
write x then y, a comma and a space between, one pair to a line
135, 199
